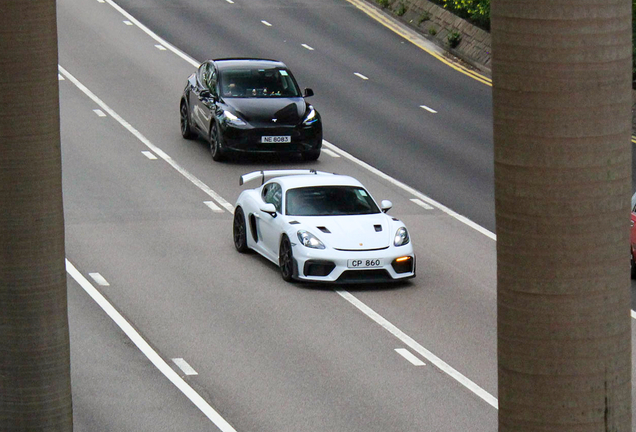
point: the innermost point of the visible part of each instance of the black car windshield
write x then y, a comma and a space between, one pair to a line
257, 83
329, 201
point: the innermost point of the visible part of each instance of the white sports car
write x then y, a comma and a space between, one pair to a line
324, 227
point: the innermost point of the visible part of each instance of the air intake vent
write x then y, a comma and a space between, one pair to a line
324, 229
294, 222
378, 228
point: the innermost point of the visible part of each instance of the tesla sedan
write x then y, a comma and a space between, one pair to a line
250, 106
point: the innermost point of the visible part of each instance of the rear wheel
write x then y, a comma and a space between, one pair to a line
286, 260
240, 231
215, 143
633, 264
311, 155
186, 130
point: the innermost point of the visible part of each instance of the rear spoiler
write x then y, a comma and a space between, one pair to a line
265, 175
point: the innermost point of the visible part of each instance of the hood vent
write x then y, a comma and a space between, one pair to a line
324, 229
378, 228
294, 222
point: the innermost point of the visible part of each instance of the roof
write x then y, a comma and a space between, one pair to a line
247, 63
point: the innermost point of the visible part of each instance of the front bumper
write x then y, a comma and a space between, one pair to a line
247, 138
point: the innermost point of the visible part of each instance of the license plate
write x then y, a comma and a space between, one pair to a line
276, 139
364, 263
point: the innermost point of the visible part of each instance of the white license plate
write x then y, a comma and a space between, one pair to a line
364, 263
276, 139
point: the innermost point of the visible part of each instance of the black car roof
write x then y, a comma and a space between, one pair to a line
224, 63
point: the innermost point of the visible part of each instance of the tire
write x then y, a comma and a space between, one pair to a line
215, 143
239, 231
186, 129
632, 263
311, 155
286, 260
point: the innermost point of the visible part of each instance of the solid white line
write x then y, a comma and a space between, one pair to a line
330, 153
60, 77
428, 109
99, 279
128, 23
410, 357
307, 46
213, 206
421, 203
359, 75
408, 341
99, 113
148, 351
150, 33
198, 183
412, 191
149, 155
266, 23
184, 366
160, 47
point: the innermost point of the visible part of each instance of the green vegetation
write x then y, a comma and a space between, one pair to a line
454, 38
476, 11
424, 16
401, 9
383, 3
432, 31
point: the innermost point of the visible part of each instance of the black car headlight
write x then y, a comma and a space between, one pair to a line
309, 240
401, 237
311, 116
232, 118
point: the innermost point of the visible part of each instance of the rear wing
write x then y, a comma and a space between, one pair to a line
266, 175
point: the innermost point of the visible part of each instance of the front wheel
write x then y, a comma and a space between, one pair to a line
632, 263
215, 143
311, 155
286, 260
186, 129
240, 231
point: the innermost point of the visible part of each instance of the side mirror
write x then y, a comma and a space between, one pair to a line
386, 205
269, 208
308, 92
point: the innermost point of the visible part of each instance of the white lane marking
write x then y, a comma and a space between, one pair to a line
149, 155
128, 23
148, 351
412, 191
428, 109
229, 1
330, 153
99, 113
633, 314
266, 23
160, 47
99, 279
421, 203
410, 357
184, 366
307, 46
408, 341
198, 183
150, 33
101, 1
60, 77
359, 75
213, 206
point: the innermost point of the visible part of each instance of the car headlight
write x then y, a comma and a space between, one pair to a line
231, 118
311, 116
309, 240
401, 237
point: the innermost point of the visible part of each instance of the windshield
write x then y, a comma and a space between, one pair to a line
329, 201
257, 83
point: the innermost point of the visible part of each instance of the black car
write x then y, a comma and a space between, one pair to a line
250, 105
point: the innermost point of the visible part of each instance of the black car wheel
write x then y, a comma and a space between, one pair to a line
632, 263
311, 155
240, 231
186, 130
286, 260
215, 143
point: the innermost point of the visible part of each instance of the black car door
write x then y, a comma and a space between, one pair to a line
204, 97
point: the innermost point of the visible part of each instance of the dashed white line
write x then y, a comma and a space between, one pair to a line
266, 23
410, 357
149, 155
60, 77
307, 47
359, 75
421, 203
633, 314
330, 153
213, 206
184, 366
229, 1
428, 109
148, 351
101, 1
160, 47
99, 113
99, 279
128, 23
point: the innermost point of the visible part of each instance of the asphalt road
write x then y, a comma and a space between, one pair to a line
269, 356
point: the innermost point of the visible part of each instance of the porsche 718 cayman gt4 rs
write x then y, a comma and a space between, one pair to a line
249, 106
321, 227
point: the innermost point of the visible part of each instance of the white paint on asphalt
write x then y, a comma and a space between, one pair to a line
330, 153
160, 47
148, 351
359, 75
184, 366
633, 314
149, 155
213, 206
99, 113
421, 203
128, 23
60, 77
307, 47
410, 357
198, 183
266, 23
428, 109
408, 341
230, 1
101, 1
99, 279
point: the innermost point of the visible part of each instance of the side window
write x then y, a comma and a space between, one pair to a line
273, 194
